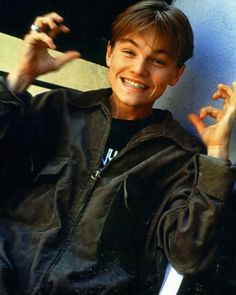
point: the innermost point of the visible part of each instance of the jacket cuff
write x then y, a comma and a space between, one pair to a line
7, 96
215, 177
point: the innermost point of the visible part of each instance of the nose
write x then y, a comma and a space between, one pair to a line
139, 66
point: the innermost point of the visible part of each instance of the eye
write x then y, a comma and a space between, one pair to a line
128, 52
157, 61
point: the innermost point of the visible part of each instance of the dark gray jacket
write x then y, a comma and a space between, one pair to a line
68, 228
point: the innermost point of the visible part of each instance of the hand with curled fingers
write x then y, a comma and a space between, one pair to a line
217, 136
35, 58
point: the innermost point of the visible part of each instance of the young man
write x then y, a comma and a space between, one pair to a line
74, 222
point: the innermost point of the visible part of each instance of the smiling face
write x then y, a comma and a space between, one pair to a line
140, 69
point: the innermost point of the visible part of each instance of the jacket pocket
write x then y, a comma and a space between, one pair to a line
53, 168
36, 207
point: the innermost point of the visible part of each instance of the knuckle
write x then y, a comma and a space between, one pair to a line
39, 18
27, 37
53, 14
48, 14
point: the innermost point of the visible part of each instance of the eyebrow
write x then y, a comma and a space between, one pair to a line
158, 50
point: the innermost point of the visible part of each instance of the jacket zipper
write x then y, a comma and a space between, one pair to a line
99, 172
95, 177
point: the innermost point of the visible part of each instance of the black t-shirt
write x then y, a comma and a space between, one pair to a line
120, 134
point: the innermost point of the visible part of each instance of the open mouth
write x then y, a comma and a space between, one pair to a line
136, 85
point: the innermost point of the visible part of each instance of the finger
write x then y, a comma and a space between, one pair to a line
209, 111
52, 33
234, 86
64, 29
51, 17
220, 93
197, 122
224, 91
65, 58
40, 38
57, 17
49, 21
51, 30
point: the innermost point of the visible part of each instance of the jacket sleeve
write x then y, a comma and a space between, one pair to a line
8, 278
188, 222
29, 130
14, 121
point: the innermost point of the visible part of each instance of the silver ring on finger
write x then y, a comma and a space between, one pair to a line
35, 28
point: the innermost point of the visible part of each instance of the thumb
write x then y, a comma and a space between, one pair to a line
66, 57
197, 122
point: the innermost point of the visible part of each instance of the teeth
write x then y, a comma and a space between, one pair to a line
134, 84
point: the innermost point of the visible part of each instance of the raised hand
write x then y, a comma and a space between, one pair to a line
217, 136
35, 58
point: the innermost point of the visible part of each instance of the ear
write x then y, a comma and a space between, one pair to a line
109, 54
177, 76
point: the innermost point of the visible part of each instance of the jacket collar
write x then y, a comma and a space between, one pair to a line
166, 126
91, 98
169, 128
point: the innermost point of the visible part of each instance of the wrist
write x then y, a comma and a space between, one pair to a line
18, 82
218, 152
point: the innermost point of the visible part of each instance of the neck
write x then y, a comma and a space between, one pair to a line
127, 112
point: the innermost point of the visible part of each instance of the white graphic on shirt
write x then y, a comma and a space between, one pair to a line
109, 156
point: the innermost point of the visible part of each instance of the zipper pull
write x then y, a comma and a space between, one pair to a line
96, 175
